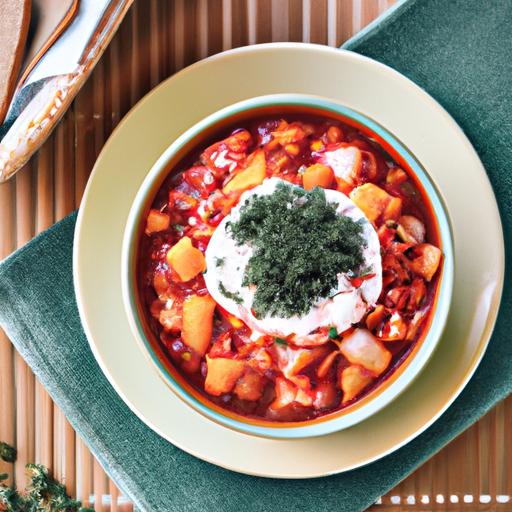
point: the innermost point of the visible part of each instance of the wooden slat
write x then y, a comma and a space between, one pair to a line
158, 38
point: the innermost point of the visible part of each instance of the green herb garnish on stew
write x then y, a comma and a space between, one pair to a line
333, 333
280, 341
300, 244
230, 295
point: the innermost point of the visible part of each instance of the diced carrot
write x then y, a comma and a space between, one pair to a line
317, 175
198, 322
343, 186
292, 149
157, 221
396, 176
222, 374
362, 348
160, 283
250, 386
353, 379
376, 202
316, 145
249, 177
426, 260
185, 259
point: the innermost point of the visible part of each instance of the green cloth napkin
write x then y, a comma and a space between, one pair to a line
461, 52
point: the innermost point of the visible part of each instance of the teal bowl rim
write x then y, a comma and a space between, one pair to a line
444, 293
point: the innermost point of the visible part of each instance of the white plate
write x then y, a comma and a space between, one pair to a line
364, 85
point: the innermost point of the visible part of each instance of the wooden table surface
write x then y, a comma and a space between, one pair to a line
157, 38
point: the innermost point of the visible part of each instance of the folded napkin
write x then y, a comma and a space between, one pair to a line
461, 52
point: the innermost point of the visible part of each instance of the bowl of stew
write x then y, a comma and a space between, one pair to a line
287, 266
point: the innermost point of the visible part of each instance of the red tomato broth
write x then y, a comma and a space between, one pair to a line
153, 250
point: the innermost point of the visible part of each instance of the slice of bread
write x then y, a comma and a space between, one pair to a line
14, 24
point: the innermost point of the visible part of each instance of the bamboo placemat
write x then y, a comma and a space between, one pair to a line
157, 38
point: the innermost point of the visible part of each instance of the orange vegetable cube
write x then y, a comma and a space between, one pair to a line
426, 262
251, 176
157, 221
185, 259
198, 322
363, 348
353, 379
317, 175
222, 374
376, 202
396, 176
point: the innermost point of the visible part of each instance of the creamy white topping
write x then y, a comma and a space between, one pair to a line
226, 262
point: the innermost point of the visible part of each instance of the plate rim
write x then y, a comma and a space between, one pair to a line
422, 95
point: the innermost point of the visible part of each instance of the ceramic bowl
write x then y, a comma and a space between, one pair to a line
399, 379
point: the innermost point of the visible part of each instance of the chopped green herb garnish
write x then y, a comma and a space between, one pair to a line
280, 341
7, 453
179, 228
43, 493
333, 333
236, 297
219, 261
300, 245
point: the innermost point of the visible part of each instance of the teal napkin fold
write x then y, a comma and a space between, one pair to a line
461, 52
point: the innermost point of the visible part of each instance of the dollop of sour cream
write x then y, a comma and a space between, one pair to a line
346, 304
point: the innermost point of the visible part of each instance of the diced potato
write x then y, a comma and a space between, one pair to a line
292, 133
326, 396
292, 361
353, 380
345, 161
426, 260
157, 221
198, 322
376, 202
186, 260
317, 175
222, 374
251, 176
286, 392
413, 230
250, 386
361, 347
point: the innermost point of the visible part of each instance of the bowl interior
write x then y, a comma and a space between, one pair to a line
202, 133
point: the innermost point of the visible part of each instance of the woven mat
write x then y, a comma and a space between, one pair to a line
470, 474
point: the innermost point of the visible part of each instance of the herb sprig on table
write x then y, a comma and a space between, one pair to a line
43, 493
300, 245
